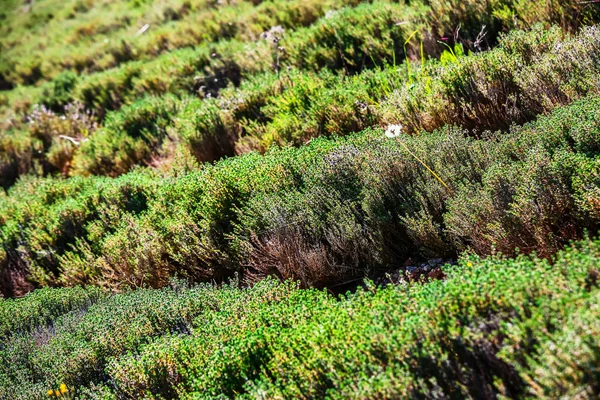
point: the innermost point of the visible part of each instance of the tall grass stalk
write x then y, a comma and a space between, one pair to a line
436, 176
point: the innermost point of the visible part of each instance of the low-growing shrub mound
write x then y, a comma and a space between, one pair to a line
335, 210
147, 123
494, 327
189, 188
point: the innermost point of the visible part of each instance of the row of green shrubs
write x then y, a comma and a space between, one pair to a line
528, 74
493, 328
104, 36
270, 105
54, 36
350, 40
329, 211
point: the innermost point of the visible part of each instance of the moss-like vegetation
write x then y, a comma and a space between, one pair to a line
528, 74
189, 186
493, 327
329, 211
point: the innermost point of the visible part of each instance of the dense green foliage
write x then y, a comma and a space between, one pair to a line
86, 37
190, 185
321, 213
320, 68
484, 331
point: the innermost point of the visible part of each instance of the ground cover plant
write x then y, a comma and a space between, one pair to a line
299, 199
349, 39
330, 211
483, 331
528, 74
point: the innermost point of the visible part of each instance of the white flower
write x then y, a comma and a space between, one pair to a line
393, 131
273, 35
330, 14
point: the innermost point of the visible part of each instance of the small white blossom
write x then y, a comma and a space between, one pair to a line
330, 14
393, 131
273, 35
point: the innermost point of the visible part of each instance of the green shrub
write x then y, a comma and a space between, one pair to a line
493, 327
130, 137
207, 131
70, 209
47, 142
322, 105
42, 307
344, 208
62, 92
528, 74
351, 39
108, 90
15, 156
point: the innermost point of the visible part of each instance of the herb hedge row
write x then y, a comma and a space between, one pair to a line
494, 327
325, 212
